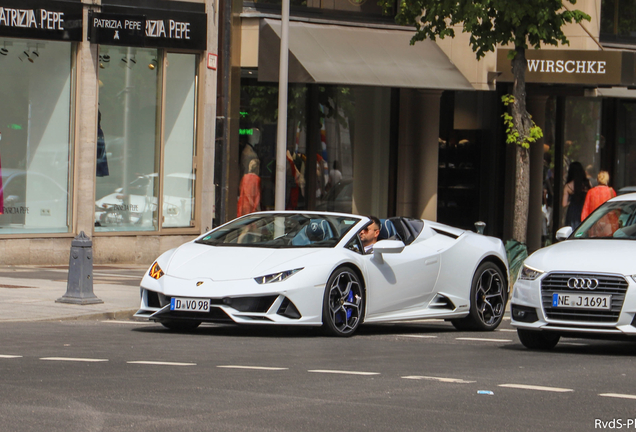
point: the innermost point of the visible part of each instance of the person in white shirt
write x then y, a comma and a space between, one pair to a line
369, 235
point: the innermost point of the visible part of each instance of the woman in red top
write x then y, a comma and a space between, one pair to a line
597, 195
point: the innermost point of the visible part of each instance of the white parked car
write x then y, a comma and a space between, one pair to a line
308, 268
584, 286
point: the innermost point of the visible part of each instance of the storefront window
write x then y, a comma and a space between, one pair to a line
625, 163
581, 155
179, 149
366, 7
257, 148
127, 142
618, 21
35, 125
343, 121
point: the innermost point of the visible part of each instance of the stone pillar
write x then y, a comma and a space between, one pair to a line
205, 165
418, 153
371, 151
536, 108
86, 141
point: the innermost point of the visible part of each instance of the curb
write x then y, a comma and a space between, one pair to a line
126, 314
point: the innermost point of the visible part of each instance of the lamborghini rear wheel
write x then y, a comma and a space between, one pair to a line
343, 303
488, 298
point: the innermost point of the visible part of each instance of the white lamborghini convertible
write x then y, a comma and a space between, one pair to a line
308, 268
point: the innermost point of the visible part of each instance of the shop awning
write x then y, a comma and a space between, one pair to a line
333, 54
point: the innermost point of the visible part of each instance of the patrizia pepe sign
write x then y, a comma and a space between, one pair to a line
176, 30
572, 67
39, 19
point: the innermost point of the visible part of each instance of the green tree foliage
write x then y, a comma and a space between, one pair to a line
522, 23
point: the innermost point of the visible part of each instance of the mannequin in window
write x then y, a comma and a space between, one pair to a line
102, 161
250, 195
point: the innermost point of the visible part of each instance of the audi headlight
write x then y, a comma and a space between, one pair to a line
155, 271
276, 277
634, 278
529, 273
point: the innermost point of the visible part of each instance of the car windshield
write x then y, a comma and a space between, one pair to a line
280, 230
612, 220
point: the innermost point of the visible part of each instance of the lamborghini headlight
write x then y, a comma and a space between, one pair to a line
276, 277
155, 271
529, 273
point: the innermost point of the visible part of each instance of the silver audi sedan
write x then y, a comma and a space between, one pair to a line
583, 286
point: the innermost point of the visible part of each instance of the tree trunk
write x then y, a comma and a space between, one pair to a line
523, 123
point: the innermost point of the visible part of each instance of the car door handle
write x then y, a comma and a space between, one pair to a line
430, 261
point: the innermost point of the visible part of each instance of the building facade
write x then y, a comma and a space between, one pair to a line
375, 125
106, 109
419, 143
144, 123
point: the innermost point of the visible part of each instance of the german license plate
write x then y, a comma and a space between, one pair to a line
189, 304
581, 301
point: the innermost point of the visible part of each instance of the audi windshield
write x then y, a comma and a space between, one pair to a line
612, 220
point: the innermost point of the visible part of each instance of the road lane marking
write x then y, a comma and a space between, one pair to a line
617, 395
145, 362
253, 367
507, 330
419, 336
343, 372
483, 339
7, 356
74, 359
440, 379
534, 387
573, 343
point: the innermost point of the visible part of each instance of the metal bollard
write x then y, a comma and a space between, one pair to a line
79, 289
480, 227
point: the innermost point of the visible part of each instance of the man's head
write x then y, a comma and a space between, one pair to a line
369, 235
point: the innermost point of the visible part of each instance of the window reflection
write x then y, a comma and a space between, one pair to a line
618, 21
126, 176
35, 125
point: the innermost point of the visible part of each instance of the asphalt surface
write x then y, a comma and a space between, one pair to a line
120, 375
68, 367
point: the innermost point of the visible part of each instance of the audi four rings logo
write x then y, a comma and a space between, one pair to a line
582, 283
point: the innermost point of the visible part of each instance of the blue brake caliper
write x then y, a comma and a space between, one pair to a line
350, 300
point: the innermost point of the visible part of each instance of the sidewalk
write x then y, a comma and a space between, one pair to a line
28, 293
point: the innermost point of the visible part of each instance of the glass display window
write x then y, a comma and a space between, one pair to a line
326, 126
146, 141
180, 139
35, 135
581, 155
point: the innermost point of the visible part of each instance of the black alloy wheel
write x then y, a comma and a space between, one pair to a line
343, 303
488, 297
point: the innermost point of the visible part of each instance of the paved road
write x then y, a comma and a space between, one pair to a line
127, 375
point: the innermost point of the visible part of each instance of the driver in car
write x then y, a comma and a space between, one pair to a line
369, 235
